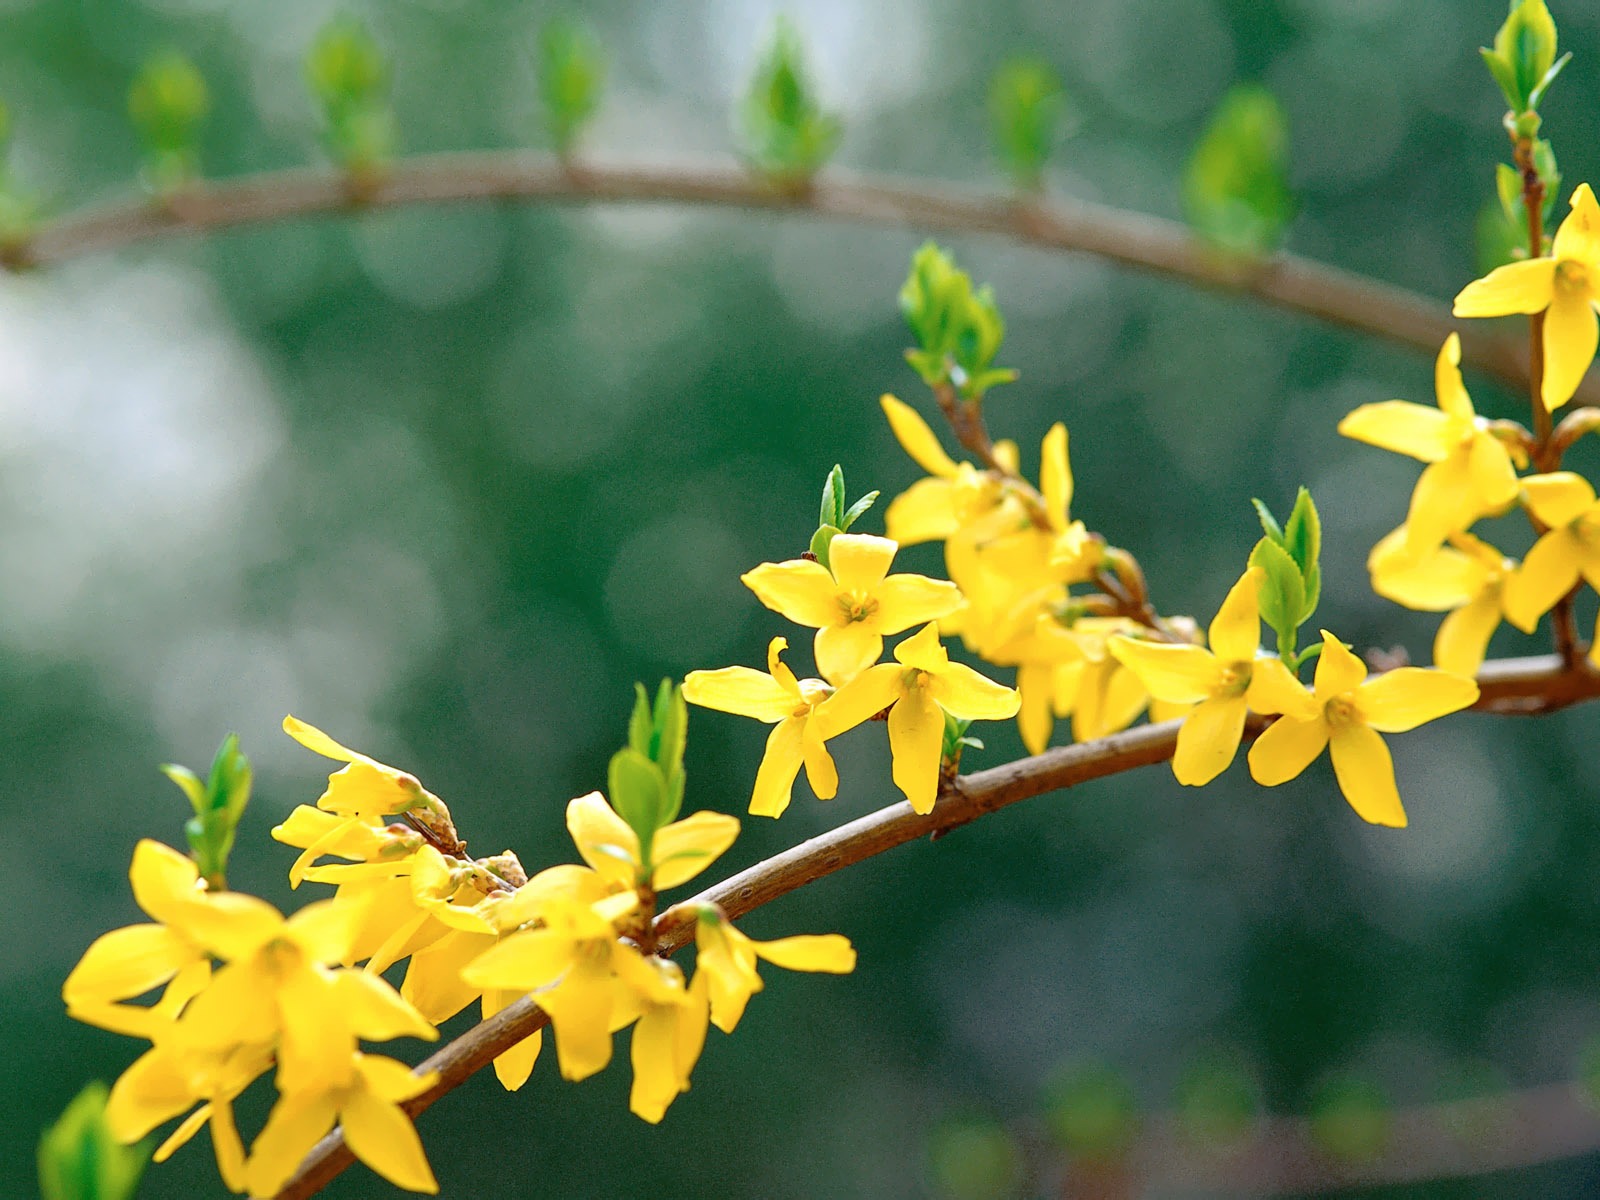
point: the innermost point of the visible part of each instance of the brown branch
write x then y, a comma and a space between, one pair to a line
1283, 1156
1132, 239
1524, 685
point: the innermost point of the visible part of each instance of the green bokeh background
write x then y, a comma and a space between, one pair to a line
446, 482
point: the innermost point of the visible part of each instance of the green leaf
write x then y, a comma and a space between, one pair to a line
1524, 54
833, 499
1302, 532
1537, 95
349, 78
641, 721
856, 509
821, 540
959, 330
638, 792
1236, 187
167, 103
571, 76
1269, 523
189, 782
1027, 107
80, 1160
1282, 593
784, 134
975, 1158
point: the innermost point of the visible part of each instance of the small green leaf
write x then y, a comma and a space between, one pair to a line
638, 792
189, 782
571, 80
1269, 523
1236, 187
349, 78
975, 1158
959, 330
1282, 593
1523, 60
820, 541
79, 1159
641, 721
784, 134
1302, 532
1027, 107
167, 102
856, 509
833, 499
1537, 95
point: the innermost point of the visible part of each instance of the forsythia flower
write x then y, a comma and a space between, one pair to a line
1564, 286
852, 603
677, 853
364, 787
727, 959
790, 706
1469, 472
954, 495
1571, 548
1216, 681
1465, 578
1346, 712
922, 685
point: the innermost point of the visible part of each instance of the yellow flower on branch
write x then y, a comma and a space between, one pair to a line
1568, 551
1345, 713
917, 689
364, 787
1465, 578
790, 706
678, 851
955, 495
853, 603
1563, 285
1469, 472
1216, 681
668, 1033
727, 960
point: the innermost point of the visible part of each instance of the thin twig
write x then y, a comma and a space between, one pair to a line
1133, 239
1525, 685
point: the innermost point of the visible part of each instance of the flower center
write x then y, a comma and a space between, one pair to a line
1235, 679
1572, 277
1340, 711
856, 607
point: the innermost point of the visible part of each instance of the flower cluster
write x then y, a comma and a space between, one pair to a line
244, 990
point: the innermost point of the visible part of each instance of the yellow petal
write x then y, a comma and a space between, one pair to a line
741, 691
230, 924
164, 881
1366, 774
1287, 748
383, 1137
391, 1080
801, 590
1338, 670
315, 740
1274, 689
844, 651
1235, 631
969, 696
821, 772
657, 1080
774, 786
923, 650
1494, 478
522, 962
513, 1067
907, 600
324, 930
153, 1089
1443, 502
1437, 581
828, 952
1405, 698
684, 848
1519, 287
225, 1142
859, 561
183, 1134
580, 1013
317, 1043
868, 694
1447, 385
1208, 740
1558, 498
295, 1124
1548, 573
606, 842
916, 739
375, 1011
1177, 674
127, 962
433, 982
1055, 475
1579, 235
1035, 719
1463, 638
914, 436
924, 512
1571, 334
1403, 428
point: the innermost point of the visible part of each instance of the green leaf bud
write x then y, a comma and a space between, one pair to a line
1091, 1112
80, 1160
167, 102
975, 1158
1236, 186
571, 76
1523, 60
783, 132
1027, 109
349, 78
1350, 1120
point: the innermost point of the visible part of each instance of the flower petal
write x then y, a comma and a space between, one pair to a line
1365, 772
829, 952
923, 650
914, 436
580, 1013
433, 982
907, 600
1519, 287
821, 772
1208, 740
801, 590
513, 1067
1287, 748
1338, 670
774, 786
742, 691
1548, 573
295, 1124
916, 742
1402, 427
1447, 386
1579, 235
1463, 638
606, 842
375, 1011
1177, 674
383, 1137
1437, 581
164, 881
1274, 689
127, 962
1443, 502
844, 651
924, 512
859, 561
1235, 632
969, 696
868, 694
315, 740
1558, 498
684, 848
1402, 699
1055, 475
1571, 335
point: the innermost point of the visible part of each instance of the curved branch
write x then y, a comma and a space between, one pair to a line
1132, 239
1509, 685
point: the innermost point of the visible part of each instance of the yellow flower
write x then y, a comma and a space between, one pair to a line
1108, 696
1564, 286
727, 958
1466, 578
1571, 548
1469, 472
367, 1108
1215, 681
786, 703
668, 1034
853, 603
922, 685
374, 850
955, 494
678, 852
1347, 712
1050, 665
364, 787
